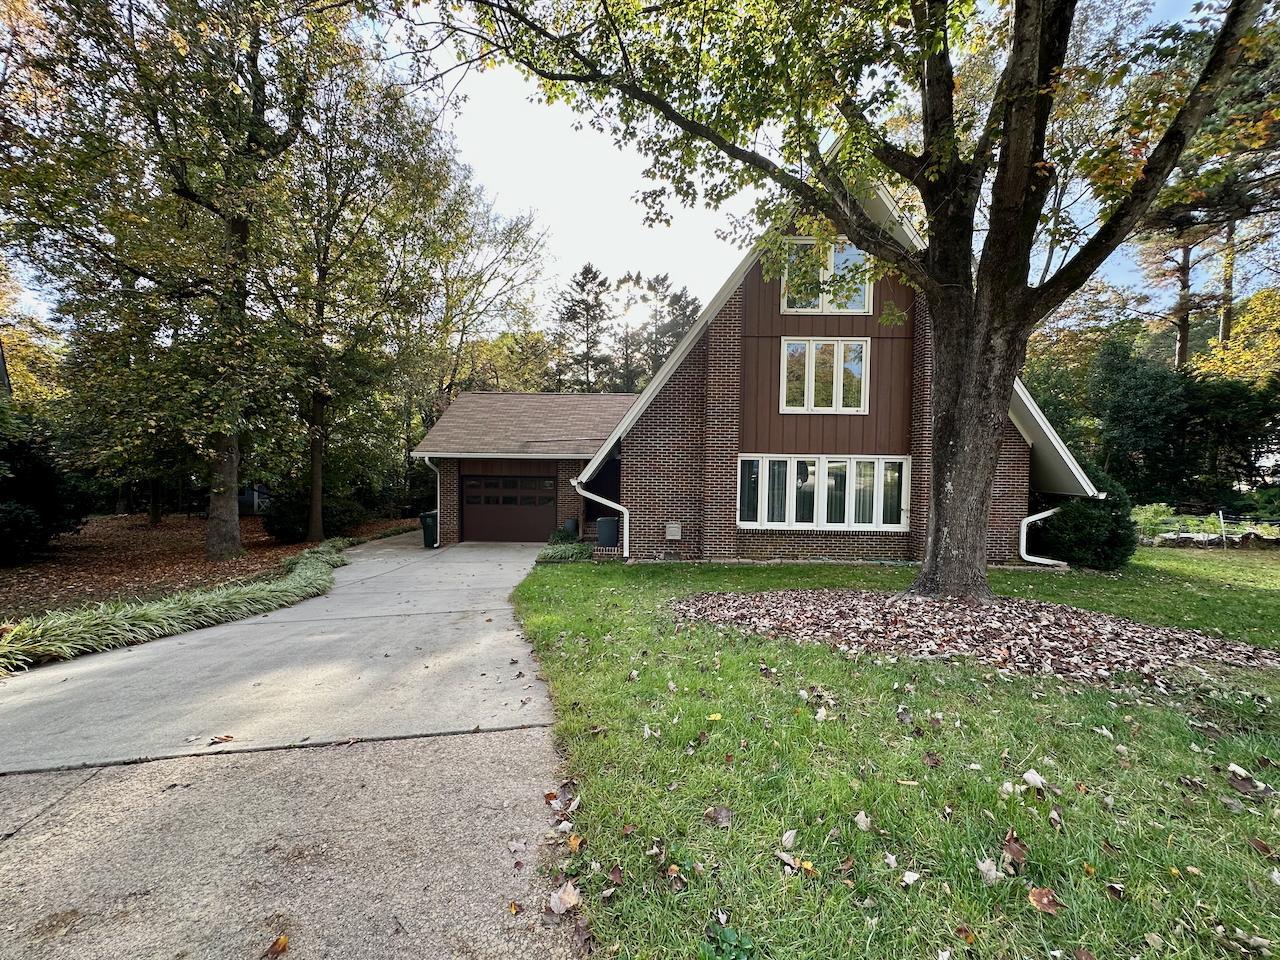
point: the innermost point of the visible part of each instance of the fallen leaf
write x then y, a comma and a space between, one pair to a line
576, 843
1015, 852
787, 859
628, 829
713, 717
720, 816
223, 738
1115, 891
1045, 900
990, 873
931, 759
807, 868
863, 821
514, 908
965, 934
278, 946
1261, 846
1154, 940
1083, 953
909, 877
565, 898
615, 875
1032, 779
789, 840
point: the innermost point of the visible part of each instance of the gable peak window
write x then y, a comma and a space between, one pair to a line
825, 374
813, 293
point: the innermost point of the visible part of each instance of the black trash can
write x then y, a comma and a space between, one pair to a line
430, 529
607, 532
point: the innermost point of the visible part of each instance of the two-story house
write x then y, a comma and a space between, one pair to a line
781, 427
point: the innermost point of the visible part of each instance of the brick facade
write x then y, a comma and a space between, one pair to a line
680, 461
450, 502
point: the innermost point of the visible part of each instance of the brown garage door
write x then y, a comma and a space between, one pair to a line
519, 509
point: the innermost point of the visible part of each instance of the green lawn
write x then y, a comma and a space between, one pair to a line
729, 728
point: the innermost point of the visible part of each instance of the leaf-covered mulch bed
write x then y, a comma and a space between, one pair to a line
124, 557
1023, 636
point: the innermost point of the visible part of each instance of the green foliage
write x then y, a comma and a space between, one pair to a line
286, 516
1151, 519
38, 499
726, 943
565, 552
562, 535
62, 635
1085, 532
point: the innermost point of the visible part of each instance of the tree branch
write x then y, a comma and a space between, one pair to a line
1226, 53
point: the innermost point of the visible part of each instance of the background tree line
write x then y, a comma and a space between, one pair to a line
266, 265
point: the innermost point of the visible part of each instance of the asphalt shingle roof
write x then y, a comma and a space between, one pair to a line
532, 424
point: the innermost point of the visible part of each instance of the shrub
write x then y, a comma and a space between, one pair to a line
1091, 533
1152, 519
563, 535
287, 514
565, 552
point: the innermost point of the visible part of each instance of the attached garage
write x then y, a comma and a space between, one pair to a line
520, 509
506, 462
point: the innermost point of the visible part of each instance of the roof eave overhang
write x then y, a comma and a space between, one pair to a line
499, 455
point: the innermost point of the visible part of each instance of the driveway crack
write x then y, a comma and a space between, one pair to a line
10, 834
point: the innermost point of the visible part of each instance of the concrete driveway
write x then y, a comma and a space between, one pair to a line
409, 642
413, 843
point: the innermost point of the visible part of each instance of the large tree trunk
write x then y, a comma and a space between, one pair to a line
977, 353
315, 428
222, 533
1227, 318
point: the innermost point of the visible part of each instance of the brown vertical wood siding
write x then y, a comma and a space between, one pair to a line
884, 429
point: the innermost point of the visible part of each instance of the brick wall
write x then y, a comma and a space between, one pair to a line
569, 504
663, 457
1010, 497
450, 502
723, 418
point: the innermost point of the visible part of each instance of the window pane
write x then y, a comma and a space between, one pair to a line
892, 511
837, 482
748, 491
851, 371
777, 491
806, 487
848, 258
795, 373
803, 276
864, 491
824, 376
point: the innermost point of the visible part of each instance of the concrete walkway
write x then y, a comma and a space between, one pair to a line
401, 847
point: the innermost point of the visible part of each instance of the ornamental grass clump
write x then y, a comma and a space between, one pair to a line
62, 635
565, 552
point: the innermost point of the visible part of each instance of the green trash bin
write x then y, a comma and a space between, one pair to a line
430, 529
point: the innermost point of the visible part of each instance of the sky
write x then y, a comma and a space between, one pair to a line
528, 156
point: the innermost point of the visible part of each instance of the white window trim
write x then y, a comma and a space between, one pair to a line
824, 305
820, 499
837, 388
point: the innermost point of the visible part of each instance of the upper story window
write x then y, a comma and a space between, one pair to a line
853, 298
825, 374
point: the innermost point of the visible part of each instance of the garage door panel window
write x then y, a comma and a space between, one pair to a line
847, 493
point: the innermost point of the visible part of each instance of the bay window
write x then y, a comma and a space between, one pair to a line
836, 492
825, 374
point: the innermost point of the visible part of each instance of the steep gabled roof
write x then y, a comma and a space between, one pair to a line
1053, 468
525, 425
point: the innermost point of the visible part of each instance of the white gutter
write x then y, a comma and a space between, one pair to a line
626, 514
1022, 539
436, 471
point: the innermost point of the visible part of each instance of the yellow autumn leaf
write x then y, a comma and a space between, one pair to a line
714, 716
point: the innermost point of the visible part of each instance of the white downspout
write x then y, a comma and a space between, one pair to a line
1022, 539
626, 514
436, 471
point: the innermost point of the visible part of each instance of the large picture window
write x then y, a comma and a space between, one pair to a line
825, 375
846, 493
813, 293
